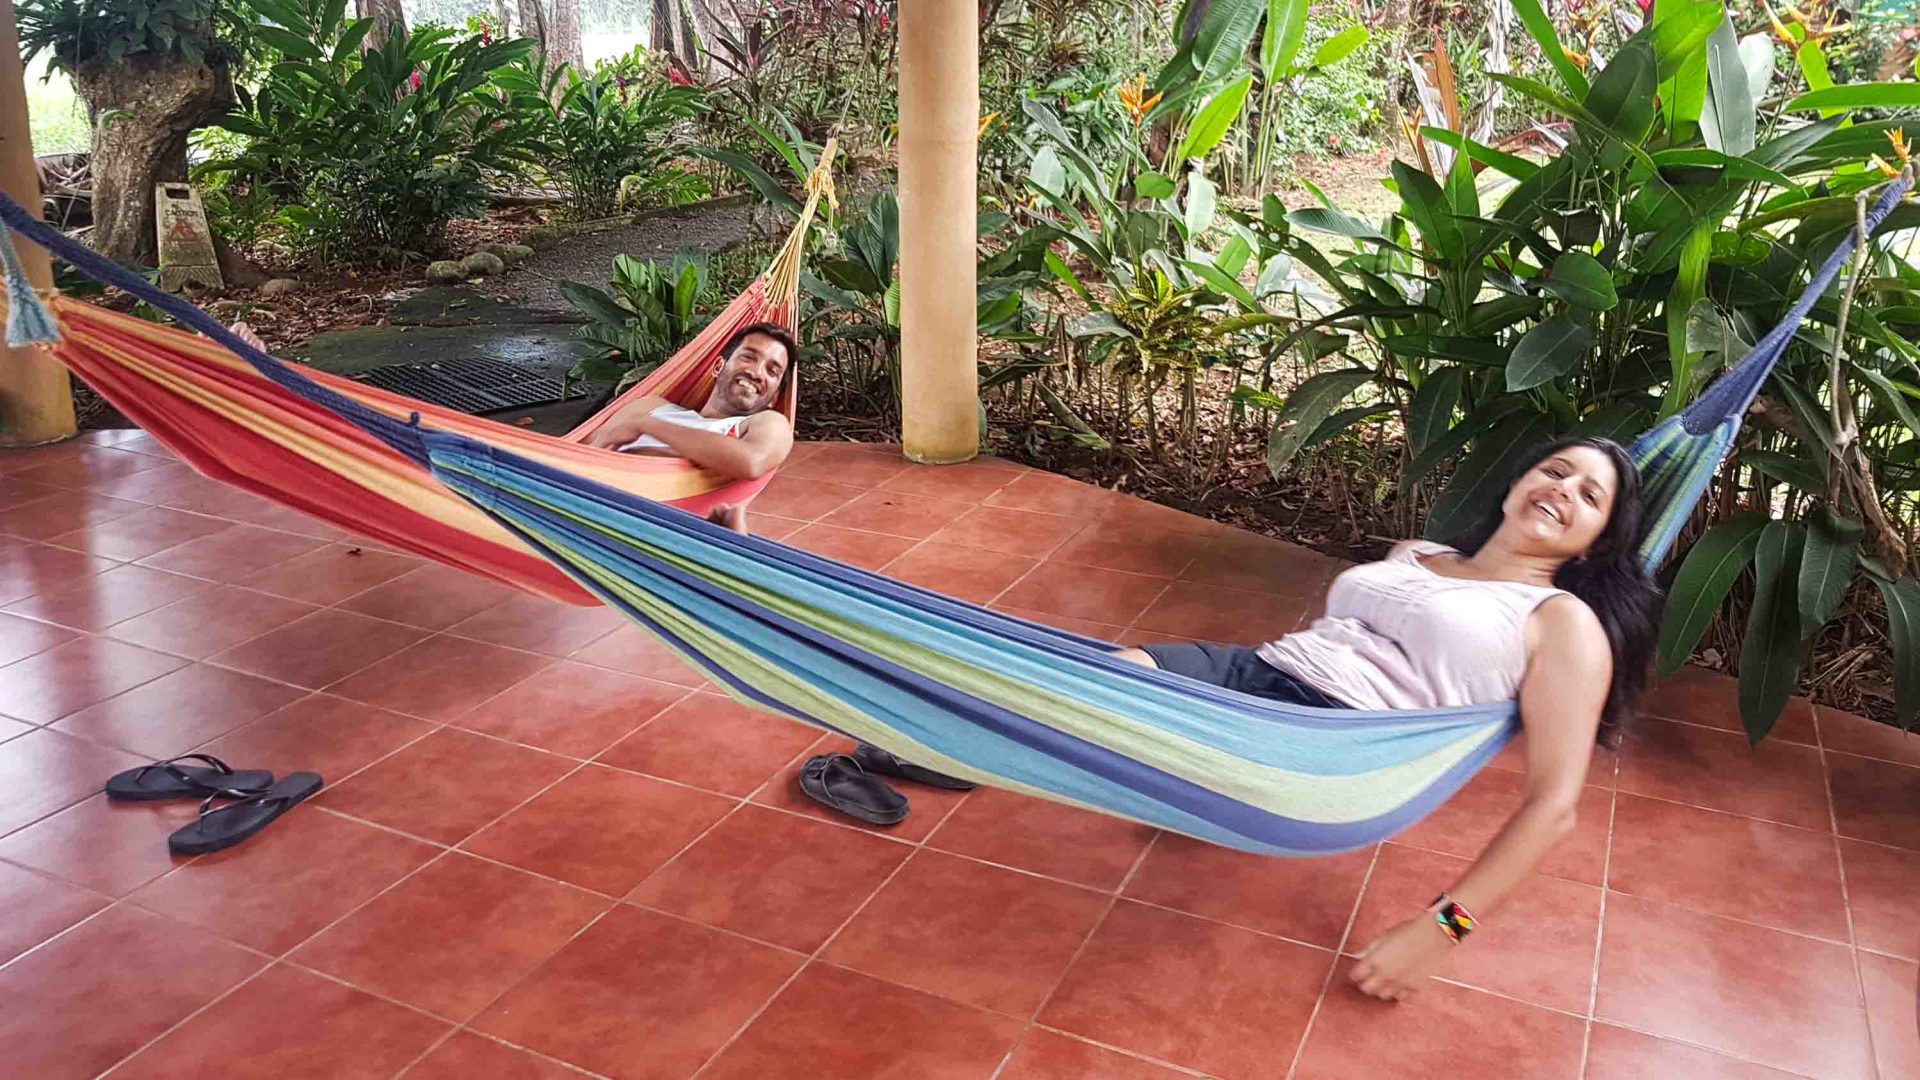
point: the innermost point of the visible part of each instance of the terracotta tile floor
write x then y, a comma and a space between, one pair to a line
547, 847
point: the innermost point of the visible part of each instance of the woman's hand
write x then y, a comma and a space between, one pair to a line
1397, 963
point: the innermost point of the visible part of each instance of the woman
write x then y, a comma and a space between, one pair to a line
1545, 602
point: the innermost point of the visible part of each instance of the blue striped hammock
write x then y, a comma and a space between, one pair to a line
973, 692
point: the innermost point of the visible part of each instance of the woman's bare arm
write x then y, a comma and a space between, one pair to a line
1569, 671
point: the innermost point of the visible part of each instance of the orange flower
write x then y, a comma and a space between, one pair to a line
1133, 95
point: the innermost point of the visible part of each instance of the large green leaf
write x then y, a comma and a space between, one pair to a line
1224, 36
1680, 30
1210, 124
1727, 123
1534, 17
750, 171
594, 303
1708, 571
1623, 97
1517, 167
288, 42
1153, 185
1478, 351
1903, 623
1889, 395
1432, 410
1328, 220
1890, 95
1580, 280
1047, 174
1340, 46
1426, 206
1286, 30
1826, 570
1202, 197
1480, 481
1772, 648
1789, 469
1551, 349
1477, 423
1310, 404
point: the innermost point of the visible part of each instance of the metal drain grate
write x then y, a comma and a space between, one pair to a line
472, 386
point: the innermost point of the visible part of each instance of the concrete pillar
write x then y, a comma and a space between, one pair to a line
36, 399
939, 139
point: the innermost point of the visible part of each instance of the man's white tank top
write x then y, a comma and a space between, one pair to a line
674, 414
1399, 636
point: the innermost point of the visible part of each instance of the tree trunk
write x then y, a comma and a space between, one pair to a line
673, 33
143, 109
566, 34
1398, 15
386, 15
708, 25
533, 23
502, 18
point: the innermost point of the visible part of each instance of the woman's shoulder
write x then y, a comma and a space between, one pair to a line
1417, 549
1565, 620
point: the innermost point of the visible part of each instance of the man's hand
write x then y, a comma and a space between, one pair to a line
1397, 963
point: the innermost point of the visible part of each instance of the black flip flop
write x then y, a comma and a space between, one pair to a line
838, 781
169, 780
225, 826
873, 759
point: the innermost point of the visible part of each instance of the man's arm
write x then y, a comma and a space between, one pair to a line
624, 426
767, 442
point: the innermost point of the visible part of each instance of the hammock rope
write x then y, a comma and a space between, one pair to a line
997, 699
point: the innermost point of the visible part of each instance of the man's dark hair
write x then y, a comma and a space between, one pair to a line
766, 329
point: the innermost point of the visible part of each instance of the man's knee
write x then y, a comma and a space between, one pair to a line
1137, 656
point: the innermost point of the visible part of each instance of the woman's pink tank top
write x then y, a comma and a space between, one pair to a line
1399, 636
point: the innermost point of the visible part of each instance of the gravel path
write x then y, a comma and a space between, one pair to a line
535, 284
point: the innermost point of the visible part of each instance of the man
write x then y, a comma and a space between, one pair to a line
737, 433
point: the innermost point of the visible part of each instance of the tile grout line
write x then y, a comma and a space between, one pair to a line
282, 958
1600, 932
1339, 950
1846, 901
812, 958
1113, 901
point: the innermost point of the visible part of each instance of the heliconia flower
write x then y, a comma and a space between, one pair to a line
415, 80
1133, 95
678, 78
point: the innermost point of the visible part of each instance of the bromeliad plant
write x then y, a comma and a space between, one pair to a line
1600, 291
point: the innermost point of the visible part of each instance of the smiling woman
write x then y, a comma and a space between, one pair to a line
1547, 601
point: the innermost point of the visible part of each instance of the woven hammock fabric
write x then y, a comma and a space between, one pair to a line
997, 699
233, 421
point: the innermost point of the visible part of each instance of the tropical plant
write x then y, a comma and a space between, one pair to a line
647, 313
1599, 292
854, 286
606, 137
375, 150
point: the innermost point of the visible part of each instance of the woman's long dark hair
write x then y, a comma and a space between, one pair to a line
1610, 580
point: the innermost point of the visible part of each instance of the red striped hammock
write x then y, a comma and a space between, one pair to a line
233, 425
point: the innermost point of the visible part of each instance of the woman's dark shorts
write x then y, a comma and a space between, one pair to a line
1238, 668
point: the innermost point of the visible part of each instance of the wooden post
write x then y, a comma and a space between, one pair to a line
939, 139
36, 398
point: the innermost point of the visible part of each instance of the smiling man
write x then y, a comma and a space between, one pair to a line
736, 432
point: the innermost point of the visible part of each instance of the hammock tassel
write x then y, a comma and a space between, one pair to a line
29, 322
